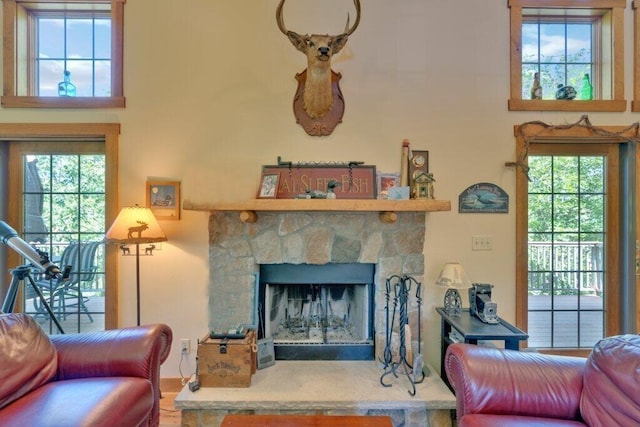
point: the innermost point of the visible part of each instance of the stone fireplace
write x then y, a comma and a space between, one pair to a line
237, 250
385, 238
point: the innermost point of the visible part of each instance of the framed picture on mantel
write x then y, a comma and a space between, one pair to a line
268, 186
352, 182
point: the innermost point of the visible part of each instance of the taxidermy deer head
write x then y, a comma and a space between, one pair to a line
318, 96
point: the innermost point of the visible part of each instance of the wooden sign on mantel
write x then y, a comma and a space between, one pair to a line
354, 182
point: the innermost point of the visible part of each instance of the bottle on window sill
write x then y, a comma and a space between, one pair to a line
65, 87
586, 91
536, 89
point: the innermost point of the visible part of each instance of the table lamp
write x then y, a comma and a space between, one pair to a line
135, 225
453, 278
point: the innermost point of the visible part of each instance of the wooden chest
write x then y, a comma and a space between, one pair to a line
227, 362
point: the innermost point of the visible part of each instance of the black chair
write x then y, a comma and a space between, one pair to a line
65, 294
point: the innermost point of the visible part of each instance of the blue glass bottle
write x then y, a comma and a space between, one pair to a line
65, 87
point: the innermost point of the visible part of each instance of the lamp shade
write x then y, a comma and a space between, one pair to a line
453, 276
135, 224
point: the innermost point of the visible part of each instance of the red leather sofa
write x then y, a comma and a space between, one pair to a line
109, 378
498, 388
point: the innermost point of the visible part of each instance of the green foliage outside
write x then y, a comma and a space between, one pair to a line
73, 189
566, 224
71, 193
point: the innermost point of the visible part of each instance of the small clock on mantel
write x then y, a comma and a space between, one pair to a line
419, 163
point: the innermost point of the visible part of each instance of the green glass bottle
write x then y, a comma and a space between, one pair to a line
65, 87
586, 91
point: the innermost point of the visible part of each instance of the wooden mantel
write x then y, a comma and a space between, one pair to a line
387, 208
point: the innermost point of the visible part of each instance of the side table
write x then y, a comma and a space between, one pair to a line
470, 329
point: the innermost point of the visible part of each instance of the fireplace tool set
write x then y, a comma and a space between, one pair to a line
403, 362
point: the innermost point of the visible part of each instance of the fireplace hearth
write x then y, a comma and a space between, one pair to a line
318, 312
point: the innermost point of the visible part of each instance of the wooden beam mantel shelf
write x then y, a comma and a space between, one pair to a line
388, 208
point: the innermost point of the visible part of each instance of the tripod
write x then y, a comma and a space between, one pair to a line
18, 275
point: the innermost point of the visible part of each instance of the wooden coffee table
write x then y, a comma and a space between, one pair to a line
238, 420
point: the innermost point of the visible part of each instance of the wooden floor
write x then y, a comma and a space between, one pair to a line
169, 415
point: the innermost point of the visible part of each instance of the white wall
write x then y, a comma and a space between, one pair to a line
209, 87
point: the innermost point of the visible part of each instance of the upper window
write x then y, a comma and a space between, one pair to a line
566, 55
63, 53
73, 54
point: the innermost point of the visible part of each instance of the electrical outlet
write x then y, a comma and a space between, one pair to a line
482, 243
185, 345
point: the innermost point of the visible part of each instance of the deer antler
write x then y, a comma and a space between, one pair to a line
347, 31
280, 19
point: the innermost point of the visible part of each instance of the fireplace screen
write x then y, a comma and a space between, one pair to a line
318, 311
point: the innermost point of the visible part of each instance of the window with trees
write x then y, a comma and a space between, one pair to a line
555, 44
60, 176
64, 217
63, 53
568, 266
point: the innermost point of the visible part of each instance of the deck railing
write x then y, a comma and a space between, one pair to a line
566, 268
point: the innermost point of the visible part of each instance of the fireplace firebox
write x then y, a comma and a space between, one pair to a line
318, 312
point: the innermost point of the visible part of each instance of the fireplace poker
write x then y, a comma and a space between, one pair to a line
390, 366
388, 357
418, 361
401, 298
405, 287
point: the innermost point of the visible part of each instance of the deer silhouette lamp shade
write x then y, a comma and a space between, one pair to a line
453, 278
135, 225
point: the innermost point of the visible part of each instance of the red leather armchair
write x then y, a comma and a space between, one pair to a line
91, 379
497, 387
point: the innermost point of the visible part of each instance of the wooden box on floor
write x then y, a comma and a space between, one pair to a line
227, 362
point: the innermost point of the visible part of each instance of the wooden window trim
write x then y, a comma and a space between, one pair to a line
109, 132
573, 136
617, 104
635, 103
10, 99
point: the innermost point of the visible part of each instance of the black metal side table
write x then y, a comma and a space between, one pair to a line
470, 329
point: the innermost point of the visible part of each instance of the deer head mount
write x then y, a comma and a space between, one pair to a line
316, 101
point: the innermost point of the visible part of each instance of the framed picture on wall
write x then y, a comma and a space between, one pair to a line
268, 186
163, 198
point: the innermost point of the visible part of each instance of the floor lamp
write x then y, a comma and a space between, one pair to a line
134, 226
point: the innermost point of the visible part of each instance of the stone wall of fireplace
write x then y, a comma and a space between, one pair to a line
237, 249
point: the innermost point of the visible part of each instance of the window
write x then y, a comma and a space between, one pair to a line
64, 216
78, 45
560, 52
48, 42
560, 41
566, 250
567, 235
64, 176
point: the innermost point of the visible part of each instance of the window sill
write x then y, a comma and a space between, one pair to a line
56, 102
567, 105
